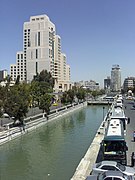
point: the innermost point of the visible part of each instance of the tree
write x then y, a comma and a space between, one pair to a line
94, 94
71, 95
1, 108
17, 102
45, 103
81, 94
45, 77
17, 80
64, 98
35, 92
42, 83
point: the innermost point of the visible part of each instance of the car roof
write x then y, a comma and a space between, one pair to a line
114, 163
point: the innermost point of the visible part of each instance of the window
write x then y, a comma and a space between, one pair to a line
36, 53
36, 67
28, 43
38, 38
108, 168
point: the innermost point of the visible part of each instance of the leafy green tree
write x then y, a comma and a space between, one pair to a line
35, 92
45, 77
42, 83
81, 93
17, 80
1, 108
71, 95
94, 94
64, 98
2, 93
17, 102
45, 103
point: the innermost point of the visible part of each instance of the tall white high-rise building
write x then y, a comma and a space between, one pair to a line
115, 78
42, 51
39, 36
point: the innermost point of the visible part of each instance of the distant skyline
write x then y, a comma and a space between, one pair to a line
95, 34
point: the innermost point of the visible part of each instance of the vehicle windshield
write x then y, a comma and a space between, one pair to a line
121, 167
113, 146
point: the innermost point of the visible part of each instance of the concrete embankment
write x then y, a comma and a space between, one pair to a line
34, 122
85, 166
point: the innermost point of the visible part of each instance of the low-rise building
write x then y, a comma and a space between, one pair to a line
3, 74
129, 83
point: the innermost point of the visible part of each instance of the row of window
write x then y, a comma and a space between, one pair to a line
25, 30
19, 56
18, 73
37, 19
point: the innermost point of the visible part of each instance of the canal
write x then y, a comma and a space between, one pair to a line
53, 151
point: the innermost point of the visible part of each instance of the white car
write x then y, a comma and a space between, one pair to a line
110, 175
104, 166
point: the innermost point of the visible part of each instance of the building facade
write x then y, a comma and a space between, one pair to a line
129, 83
18, 69
42, 51
91, 85
3, 74
115, 78
107, 83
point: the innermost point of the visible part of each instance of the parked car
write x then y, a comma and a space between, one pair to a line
110, 175
104, 166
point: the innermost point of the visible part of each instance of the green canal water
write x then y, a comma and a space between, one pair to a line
53, 151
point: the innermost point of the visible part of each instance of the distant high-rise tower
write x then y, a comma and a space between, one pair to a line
115, 78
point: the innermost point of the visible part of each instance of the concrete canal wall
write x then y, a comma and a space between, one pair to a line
85, 166
12, 133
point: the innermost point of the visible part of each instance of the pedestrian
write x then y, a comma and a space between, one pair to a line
134, 136
132, 159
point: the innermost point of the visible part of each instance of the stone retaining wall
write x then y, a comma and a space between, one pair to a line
12, 133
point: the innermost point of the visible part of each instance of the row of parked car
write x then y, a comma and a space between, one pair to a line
110, 169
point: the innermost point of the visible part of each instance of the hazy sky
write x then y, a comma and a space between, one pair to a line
95, 34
